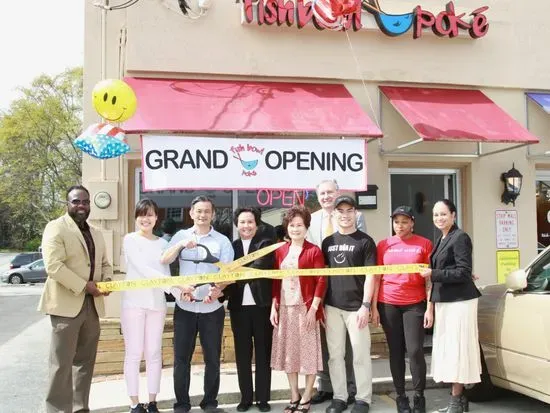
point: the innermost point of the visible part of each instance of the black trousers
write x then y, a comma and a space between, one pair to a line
209, 326
251, 324
404, 329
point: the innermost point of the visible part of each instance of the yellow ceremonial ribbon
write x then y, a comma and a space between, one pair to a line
250, 274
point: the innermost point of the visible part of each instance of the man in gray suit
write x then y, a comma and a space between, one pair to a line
323, 224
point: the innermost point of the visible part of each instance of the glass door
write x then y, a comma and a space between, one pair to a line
421, 189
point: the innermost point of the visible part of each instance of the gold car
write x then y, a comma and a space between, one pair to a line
514, 333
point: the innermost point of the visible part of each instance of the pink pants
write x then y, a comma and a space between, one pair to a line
142, 330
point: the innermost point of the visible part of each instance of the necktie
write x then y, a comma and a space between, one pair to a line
329, 229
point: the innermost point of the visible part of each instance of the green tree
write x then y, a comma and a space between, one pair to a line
38, 160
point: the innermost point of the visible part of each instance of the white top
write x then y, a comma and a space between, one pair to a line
248, 298
142, 258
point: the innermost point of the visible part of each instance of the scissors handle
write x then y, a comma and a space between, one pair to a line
209, 259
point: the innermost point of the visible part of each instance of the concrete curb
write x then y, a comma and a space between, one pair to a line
383, 385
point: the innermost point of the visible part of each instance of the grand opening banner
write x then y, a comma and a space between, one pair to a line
177, 162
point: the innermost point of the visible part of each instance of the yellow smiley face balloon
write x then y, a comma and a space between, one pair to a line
114, 100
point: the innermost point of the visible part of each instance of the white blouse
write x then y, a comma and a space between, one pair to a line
248, 298
142, 258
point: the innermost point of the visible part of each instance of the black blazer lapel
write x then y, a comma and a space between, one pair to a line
254, 243
238, 248
442, 245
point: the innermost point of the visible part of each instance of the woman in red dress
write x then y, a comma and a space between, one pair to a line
297, 309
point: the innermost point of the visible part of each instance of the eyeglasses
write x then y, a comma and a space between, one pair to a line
85, 202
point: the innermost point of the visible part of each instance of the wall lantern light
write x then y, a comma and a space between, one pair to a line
512, 185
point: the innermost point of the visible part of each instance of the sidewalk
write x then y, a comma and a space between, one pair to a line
108, 394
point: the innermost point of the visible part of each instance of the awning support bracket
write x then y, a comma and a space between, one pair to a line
478, 154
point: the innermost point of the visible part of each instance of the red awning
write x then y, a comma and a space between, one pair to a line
251, 108
456, 115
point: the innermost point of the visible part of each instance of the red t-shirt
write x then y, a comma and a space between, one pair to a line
403, 289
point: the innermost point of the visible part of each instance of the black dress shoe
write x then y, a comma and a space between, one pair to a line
321, 396
263, 406
243, 407
336, 406
360, 407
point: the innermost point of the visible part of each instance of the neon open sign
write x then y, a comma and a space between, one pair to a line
300, 13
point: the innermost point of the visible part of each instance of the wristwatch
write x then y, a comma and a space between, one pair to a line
366, 304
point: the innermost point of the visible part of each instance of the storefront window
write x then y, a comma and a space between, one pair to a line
175, 206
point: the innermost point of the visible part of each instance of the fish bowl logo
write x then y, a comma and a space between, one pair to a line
444, 24
247, 155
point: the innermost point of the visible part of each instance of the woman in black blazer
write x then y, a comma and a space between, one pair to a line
249, 309
455, 351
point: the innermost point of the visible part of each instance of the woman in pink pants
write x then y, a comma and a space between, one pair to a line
143, 311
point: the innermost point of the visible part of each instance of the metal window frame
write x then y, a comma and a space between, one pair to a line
530, 155
479, 153
431, 171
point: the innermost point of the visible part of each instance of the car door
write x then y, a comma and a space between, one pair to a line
36, 272
523, 340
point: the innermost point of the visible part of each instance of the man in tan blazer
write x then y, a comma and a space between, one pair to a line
75, 258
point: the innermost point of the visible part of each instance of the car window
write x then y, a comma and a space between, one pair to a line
38, 265
539, 275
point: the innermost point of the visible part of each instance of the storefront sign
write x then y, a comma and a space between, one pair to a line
507, 261
446, 23
177, 162
507, 229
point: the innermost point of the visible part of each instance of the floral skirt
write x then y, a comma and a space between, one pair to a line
295, 348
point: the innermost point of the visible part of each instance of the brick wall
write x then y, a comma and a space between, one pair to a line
110, 355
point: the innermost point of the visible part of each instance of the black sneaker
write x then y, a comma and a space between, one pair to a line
419, 404
138, 409
360, 407
152, 407
402, 403
336, 406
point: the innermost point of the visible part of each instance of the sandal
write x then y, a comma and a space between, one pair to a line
303, 409
292, 406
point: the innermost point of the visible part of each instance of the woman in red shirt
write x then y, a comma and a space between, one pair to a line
402, 307
296, 310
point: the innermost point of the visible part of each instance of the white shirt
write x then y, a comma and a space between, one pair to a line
142, 256
248, 298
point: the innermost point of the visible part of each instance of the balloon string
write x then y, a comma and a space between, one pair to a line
360, 72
